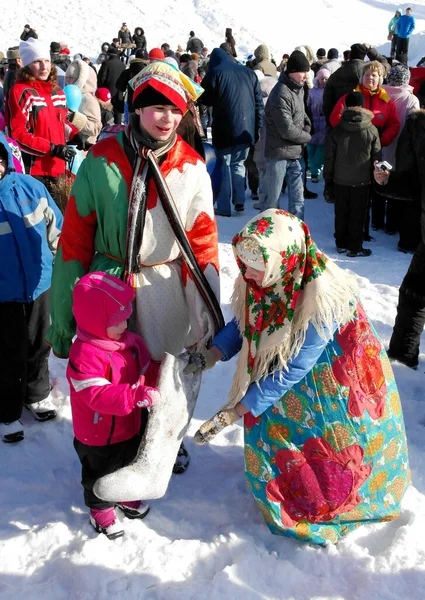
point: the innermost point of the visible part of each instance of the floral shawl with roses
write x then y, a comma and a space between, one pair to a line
301, 286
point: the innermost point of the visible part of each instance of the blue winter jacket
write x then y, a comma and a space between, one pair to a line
30, 224
405, 26
259, 397
234, 93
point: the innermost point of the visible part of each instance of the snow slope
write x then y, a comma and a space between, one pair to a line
282, 24
206, 538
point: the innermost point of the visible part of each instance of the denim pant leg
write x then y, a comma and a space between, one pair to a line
294, 177
262, 187
275, 174
225, 193
238, 172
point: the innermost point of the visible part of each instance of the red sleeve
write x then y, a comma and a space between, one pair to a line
20, 104
335, 117
392, 125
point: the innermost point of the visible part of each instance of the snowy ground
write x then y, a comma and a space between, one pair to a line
206, 538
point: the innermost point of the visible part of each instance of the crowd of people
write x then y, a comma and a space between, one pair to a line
109, 286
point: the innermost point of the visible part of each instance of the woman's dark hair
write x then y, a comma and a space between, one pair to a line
24, 75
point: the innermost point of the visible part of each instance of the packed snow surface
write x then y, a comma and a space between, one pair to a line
206, 538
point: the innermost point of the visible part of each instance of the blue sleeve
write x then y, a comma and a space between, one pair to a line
228, 340
259, 397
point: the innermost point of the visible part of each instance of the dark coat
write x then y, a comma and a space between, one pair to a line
61, 60
286, 120
408, 182
140, 41
343, 81
10, 79
109, 72
194, 44
123, 81
25, 35
124, 36
235, 95
351, 149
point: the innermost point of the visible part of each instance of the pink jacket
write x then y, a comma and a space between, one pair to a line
107, 378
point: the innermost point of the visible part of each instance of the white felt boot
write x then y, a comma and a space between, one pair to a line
148, 475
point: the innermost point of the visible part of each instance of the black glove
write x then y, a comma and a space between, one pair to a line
70, 115
80, 140
62, 152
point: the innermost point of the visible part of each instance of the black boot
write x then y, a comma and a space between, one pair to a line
182, 460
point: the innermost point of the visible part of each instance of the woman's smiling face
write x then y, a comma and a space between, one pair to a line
160, 121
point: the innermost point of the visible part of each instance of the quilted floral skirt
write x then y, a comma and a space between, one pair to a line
331, 454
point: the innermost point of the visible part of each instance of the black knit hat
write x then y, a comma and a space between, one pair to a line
358, 51
55, 47
321, 53
333, 53
354, 99
297, 63
112, 50
150, 97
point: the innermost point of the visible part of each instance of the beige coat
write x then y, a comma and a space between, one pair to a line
88, 118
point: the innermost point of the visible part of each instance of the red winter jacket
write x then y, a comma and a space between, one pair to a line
385, 120
38, 118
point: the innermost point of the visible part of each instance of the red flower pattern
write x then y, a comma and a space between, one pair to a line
360, 368
317, 483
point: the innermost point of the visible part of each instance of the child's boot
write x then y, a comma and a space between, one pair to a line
134, 509
105, 521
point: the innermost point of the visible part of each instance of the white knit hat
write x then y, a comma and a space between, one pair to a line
32, 50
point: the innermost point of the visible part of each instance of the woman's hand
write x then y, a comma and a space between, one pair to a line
380, 176
203, 360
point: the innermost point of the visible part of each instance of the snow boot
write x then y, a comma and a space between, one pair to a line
135, 509
44, 410
105, 521
12, 432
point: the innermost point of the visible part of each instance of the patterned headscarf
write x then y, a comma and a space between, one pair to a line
300, 286
169, 81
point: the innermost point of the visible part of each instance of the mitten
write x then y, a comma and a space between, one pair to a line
203, 360
61, 151
147, 396
209, 429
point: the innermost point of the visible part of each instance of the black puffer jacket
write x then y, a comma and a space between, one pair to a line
123, 80
109, 72
351, 149
286, 120
408, 182
344, 80
194, 44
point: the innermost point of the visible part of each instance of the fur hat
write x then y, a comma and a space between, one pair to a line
103, 94
55, 47
32, 50
399, 75
358, 51
332, 53
156, 54
354, 99
13, 53
321, 53
297, 63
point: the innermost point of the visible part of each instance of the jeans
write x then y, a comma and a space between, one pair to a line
276, 169
316, 158
232, 177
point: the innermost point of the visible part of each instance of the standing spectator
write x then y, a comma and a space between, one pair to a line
286, 123
188, 66
194, 44
405, 28
87, 118
403, 217
332, 64
103, 96
122, 84
203, 62
30, 229
229, 39
316, 147
408, 183
108, 76
234, 93
60, 60
392, 32
262, 62
38, 115
321, 59
28, 33
283, 62
351, 149
15, 64
124, 35
139, 39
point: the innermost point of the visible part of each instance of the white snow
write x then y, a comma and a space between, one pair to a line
206, 538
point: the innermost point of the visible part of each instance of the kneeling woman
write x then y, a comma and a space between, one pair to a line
325, 445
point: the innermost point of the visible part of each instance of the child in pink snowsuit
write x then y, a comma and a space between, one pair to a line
107, 372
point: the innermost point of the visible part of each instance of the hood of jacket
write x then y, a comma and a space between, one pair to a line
219, 58
267, 83
96, 297
398, 91
356, 118
261, 53
290, 83
84, 76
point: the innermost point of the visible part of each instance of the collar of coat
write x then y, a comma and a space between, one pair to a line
380, 92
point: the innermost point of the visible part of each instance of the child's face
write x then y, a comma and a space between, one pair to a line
255, 275
115, 332
160, 121
322, 80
